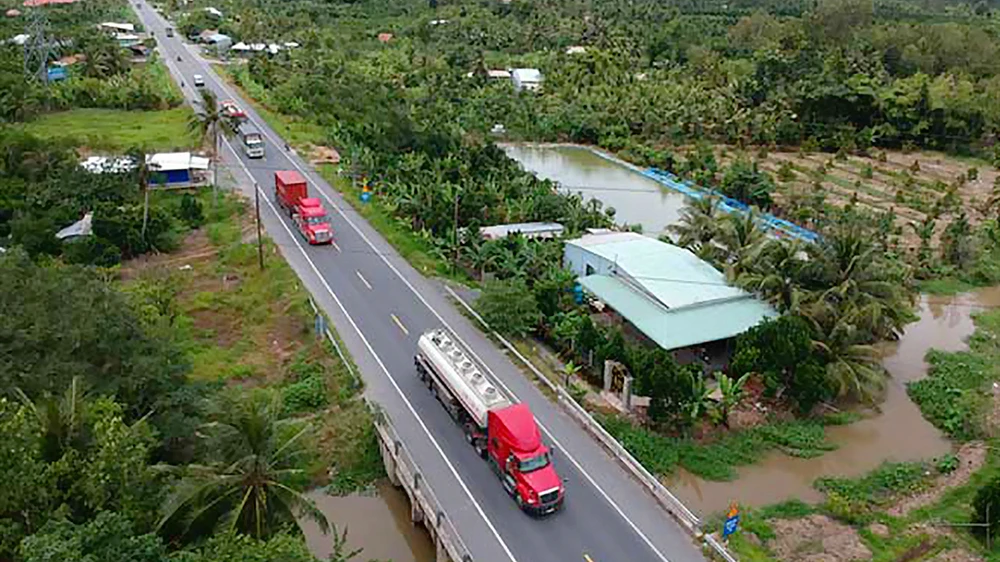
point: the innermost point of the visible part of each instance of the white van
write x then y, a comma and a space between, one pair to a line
199, 81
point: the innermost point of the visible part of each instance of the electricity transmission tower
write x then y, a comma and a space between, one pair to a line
37, 47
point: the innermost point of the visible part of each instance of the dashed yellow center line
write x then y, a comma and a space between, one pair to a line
363, 280
398, 323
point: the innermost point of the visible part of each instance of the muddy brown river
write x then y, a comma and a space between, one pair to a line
378, 523
897, 433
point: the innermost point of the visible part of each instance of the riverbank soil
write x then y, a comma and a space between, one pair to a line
910, 510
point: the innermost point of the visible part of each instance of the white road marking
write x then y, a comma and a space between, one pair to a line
371, 350
334, 244
307, 173
363, 280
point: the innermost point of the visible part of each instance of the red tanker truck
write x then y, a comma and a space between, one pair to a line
291, 193
503, 433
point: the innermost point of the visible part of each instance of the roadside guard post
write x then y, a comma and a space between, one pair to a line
732, 523
320, 325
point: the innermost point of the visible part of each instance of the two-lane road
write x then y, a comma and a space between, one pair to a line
380, 306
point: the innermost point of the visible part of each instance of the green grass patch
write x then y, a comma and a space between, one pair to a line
718, 460
953, 396
239, 325
118, 130
944, 286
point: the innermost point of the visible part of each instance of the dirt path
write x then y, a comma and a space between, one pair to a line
971, 457
817, 538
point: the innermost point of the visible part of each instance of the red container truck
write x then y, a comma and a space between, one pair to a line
503, 433
292, 194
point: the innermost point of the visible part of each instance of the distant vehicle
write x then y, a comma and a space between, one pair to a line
292, 195
170, 32
252, 140
233, 111
503, 433
199, 81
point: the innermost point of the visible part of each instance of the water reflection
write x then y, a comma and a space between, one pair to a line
636, 198
379, 523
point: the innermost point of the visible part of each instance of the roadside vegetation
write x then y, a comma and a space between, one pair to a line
151, 372
164, 377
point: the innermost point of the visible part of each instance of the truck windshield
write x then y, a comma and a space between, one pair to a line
316, 220
534, 463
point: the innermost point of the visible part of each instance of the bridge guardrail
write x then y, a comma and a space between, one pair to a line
444, 530
661, 493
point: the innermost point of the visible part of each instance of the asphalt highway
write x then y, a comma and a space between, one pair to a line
380, 305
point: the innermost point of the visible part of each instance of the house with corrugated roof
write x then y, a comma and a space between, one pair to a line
668, 294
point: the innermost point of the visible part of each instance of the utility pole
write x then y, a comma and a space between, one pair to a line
260, 245
143, 164
456, 228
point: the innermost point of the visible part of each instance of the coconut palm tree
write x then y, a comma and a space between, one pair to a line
209, 122
61, 419
852, 366
858, 284
741, 240
775, 274
249, 484
699, 226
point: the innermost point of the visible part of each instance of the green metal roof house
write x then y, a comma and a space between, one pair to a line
669, 294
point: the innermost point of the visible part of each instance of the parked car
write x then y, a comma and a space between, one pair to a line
199, 81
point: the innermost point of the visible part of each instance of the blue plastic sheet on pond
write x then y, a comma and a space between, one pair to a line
730, 205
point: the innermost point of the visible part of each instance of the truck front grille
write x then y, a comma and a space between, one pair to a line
322, 236
549, 496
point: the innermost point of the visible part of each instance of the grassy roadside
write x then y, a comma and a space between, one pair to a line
910, 511
117, 130
302, 134
240, 326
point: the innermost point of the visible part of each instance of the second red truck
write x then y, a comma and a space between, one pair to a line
292, 194
503, 433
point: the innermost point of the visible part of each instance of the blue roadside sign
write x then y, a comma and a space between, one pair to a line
732, 521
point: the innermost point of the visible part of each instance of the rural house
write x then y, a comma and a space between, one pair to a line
529, 79
665, 292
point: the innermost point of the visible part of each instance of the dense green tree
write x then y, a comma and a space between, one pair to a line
745, 182
46, 339
109, 537
986, 508
509, 307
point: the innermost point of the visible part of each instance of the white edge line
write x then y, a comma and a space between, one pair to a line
409, 406
266, 130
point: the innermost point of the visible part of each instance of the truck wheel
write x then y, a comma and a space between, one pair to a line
480, 449
519, 501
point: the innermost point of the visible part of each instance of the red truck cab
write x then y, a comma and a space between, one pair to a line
291, 193
522, 461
